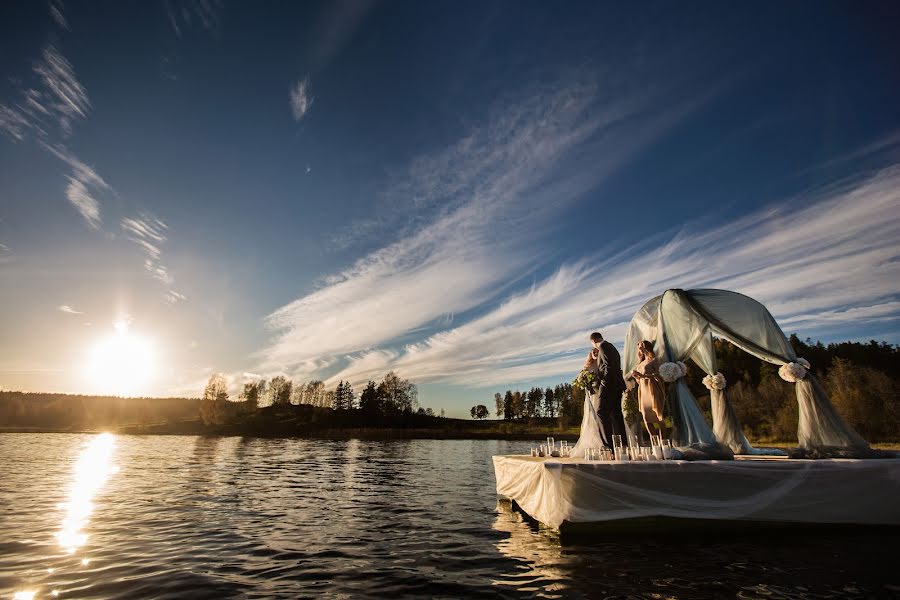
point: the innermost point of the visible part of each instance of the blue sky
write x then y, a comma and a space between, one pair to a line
459, 191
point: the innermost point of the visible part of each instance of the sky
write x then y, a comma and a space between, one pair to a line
457, 191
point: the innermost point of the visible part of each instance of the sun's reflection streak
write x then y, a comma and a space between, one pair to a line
93, 468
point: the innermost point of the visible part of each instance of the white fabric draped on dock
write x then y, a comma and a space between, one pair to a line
554, 491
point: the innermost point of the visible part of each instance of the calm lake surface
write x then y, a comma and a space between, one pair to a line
91, 516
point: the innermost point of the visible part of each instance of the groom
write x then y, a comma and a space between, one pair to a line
606, 365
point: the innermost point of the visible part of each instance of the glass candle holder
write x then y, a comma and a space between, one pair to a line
667, 449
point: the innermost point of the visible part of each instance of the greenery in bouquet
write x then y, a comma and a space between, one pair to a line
630, 410
585, 381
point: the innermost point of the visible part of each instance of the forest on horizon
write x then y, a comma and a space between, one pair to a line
862, 379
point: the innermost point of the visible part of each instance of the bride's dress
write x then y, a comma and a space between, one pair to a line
590, 427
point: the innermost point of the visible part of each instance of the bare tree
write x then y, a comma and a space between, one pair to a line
400, 395
280, 390
214, 404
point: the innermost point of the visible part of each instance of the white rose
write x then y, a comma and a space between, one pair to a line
670, 371
714, 382
792, 372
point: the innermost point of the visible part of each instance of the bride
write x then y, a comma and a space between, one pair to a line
590, 425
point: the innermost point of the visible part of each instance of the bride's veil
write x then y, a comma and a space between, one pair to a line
590, 427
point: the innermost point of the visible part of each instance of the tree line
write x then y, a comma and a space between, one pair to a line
563, 402
862, 379
392, 396
41, 410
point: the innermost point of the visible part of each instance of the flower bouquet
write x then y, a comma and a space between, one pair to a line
631, 412
585, 381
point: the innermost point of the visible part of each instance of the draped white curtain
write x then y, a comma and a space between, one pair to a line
681, 325
669, 323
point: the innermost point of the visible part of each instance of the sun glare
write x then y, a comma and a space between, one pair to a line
122, 364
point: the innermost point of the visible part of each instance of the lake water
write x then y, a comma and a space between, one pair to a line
90, 516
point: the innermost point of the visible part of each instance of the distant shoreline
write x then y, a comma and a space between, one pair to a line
337, 434
379, 434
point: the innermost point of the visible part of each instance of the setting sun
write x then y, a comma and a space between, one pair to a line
122, 364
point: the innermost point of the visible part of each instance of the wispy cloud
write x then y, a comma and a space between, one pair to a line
64, 97
469, 219
56, 13
47, 111
68, 310
173, 297
185, 14
830, 257
889, 142
55, 101
81, 199
301, 101
13, 123
149, 234
84, 184
80, 170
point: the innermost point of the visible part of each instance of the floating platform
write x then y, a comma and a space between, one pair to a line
568, 491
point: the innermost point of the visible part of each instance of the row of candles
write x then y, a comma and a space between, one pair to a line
551, 449
659, 449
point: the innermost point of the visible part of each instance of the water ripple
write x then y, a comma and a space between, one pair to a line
287, 518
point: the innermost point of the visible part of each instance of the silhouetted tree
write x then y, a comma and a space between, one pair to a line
214, 404
549, 403
262, 395
508, 405
400, 395
280, 390
518, 404
328, 400
343, 396
368, 400
250, 396
568, 401
479, 411
314, 394
347, 396
339, 396
533, 402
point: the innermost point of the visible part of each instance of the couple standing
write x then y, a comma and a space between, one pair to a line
606, 407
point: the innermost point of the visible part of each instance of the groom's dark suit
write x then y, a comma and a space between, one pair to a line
608, 371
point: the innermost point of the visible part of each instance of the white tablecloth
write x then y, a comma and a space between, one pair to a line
554, 491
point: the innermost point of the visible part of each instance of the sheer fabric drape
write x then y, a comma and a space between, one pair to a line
590, 427
682, 323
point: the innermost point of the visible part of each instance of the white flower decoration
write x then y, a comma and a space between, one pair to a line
714, 382
804, 363
671, 371
792, 372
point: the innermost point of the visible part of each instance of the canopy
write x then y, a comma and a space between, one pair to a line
681, 325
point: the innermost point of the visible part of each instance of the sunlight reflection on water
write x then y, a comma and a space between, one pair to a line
93, 468
89, 474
